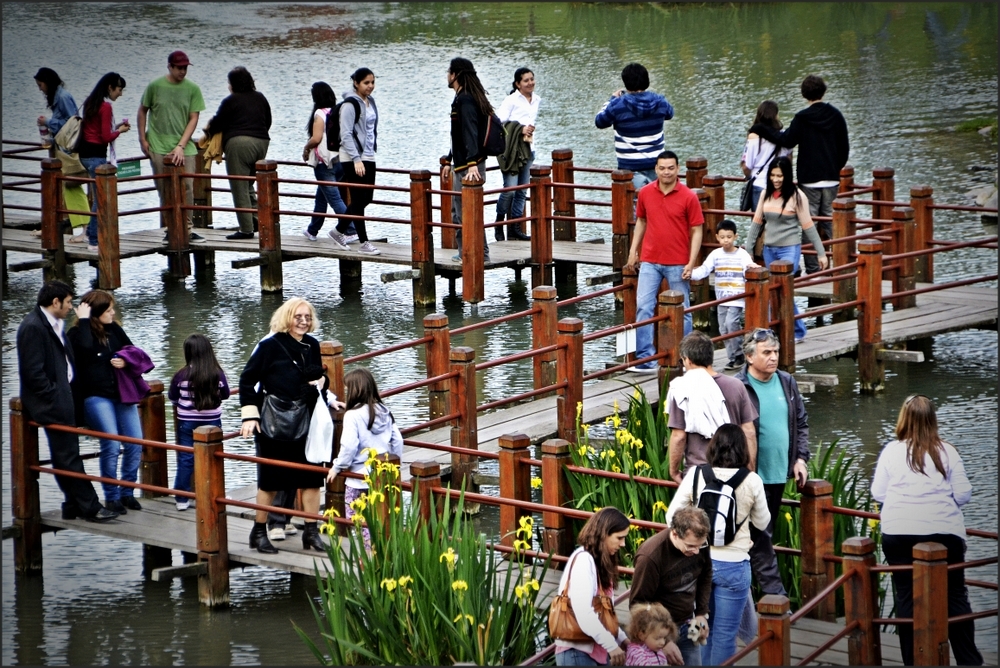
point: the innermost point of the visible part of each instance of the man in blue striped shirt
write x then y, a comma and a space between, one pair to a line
637, 115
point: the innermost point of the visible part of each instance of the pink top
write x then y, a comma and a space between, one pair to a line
640, 655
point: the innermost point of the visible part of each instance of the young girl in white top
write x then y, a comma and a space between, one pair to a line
368, 425
520, 106
921, 483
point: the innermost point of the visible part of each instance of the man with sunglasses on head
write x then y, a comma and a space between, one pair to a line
782, 429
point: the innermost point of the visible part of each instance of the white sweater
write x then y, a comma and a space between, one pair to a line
920, 504
581, 593
384, 437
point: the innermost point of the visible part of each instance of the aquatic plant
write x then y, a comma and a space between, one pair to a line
427, 594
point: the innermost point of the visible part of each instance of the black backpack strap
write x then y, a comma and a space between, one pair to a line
354, 133
735, 482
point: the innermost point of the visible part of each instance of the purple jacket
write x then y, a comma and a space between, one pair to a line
131, 386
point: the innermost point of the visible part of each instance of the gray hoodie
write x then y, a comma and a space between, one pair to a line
351, 124
356, 438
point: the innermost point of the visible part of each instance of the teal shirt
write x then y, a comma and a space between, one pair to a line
772, 440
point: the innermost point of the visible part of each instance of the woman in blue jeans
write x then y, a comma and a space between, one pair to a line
98, 132
521, 106
325, 163
783, 212
197, 392
96, 338
727, 455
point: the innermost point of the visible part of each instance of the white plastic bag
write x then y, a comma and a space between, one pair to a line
319, 443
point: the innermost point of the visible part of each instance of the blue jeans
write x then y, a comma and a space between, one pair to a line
641, 177
114, 417
185, 460
574, 657
792, 254
646, 294
511, 204
730, 588
327, 194
691, 653
729, 322
92, 164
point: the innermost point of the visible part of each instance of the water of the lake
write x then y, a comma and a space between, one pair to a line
903, 74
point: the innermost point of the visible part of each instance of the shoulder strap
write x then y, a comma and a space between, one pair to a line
694, 486
738, 478
572, 562
766, 162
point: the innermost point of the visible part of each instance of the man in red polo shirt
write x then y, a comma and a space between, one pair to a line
669, 214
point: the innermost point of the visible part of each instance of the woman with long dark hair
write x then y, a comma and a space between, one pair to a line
921, 483
785, 210
758, 152
98, 133
325, 163
520, 110
593, 569
96, 339
57, 98
358, 144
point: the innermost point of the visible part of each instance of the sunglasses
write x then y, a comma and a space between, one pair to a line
760, 335
914, 396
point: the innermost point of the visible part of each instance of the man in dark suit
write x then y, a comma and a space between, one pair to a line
45, 365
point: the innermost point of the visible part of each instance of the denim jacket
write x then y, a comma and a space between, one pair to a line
63, 108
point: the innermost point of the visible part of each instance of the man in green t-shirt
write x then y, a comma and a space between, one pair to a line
168, 116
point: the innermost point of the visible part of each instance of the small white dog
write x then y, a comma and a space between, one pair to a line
695, 628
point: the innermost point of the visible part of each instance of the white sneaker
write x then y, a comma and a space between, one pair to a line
184, 504
291, 529
339, 240
351, 238
368, 249
277, 533
308, 235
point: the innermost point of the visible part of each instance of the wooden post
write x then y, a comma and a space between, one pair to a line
464, 431
905, 228
772, 615
669, 333
332, 355
436, 354
543, 334
269, 232
864, 644
426, 477
213, 535
515, 483
108, 248
715, 186
817, 541
569, 369
447, 233
24, 506
782, 299
541, 223
930, 605
844, 290
421, 238
204, 261
562, 205
178, 258
556, 491
883, 178
757, 302
702, 318
473, 238
621, 222
153, 417
52, 238
921, 199
697, 169
846, 179
871, 370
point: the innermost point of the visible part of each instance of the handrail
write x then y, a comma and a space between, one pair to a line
524, 395
469, 452
751, 646
515, 357
950, 246
165, 491
938, 286
390, 349
494, 321
830, 643
430, 423
822, 594
597, 473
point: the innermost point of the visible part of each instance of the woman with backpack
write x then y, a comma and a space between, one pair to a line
358, 143
325, 163
714, 487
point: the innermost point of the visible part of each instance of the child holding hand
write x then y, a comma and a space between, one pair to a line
649, 631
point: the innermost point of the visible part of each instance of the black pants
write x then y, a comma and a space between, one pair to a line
360, 198
962, 635
763, 560
80, 494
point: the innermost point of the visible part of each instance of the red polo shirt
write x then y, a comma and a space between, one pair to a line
668, 221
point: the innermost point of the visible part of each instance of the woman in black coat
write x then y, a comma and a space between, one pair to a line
286, 367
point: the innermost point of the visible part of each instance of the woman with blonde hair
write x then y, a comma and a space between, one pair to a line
278, 393
921, 483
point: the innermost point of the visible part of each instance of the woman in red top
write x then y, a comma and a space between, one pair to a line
98, 131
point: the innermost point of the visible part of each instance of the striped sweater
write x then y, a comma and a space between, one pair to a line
638, 121
183, 399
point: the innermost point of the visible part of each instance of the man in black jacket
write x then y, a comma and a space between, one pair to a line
782, 442
820, 132
45, 366
468, 131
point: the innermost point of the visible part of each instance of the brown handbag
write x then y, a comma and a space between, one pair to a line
562, 621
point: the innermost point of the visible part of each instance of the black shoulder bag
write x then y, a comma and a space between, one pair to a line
746, 197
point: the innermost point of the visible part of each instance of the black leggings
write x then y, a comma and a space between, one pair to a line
360, 198
898, 549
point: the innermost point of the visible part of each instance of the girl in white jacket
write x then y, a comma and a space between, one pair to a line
368, 424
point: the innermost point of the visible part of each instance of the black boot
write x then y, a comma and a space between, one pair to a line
311, 538
259, 541
498, 230
515, 233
